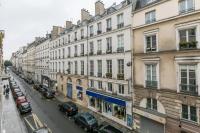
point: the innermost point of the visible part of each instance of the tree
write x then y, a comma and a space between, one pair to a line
7, 63
1, 38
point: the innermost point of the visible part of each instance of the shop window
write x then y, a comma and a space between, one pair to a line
92, 101
108, 108
119, 112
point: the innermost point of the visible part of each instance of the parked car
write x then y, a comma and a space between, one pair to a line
87, 121
20, 100
18, 94
48, 95
106, 128
24, 108
69, 108
15, 90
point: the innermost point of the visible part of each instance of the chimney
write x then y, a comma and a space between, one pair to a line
99, 7
68, 24
56, 31
85, 15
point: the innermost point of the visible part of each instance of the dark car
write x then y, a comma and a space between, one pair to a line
106, 128
36, 86
24, 108
48, 95
87, 121
18, 94
69, 108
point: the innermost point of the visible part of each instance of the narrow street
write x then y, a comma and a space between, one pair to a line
47, 110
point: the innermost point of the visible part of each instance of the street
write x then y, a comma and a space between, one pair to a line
47, 110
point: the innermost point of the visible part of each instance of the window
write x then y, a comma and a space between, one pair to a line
99, 47
91, 48
120, 21
151, 78
150, 17
82, 33
109, 25
91, 31
186, 6
82, 49
188, 82
109, 45
110, 87
99, 63
121, 89
187, 38
75, 51
151, 43
109, 66
100, 85
99, 28
121, 66
75, 36
69, 68
120, 39
151, 104
76, 67
91, 68
189, 113
63, 53
82, 67
92, 83
68, 38
69, 51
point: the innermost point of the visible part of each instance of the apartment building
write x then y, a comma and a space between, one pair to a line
42, 61
166, 58
91, 61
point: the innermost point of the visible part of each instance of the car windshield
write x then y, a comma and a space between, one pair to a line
25, 105
90, 119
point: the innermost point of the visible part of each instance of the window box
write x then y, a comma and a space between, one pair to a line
151, 84
108, 51
188, 45
189, 89
120, 25
99, 52
91, 53
99, 74
99, 32
108, 29
108, 75
120, 50
120, 76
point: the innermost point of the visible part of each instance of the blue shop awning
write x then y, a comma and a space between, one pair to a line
107, 98
79, 88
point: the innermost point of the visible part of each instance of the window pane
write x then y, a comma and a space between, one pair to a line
149, 103
148, 41
192, 35
154, 41
154, 104
185, 111
193, 113
182, 35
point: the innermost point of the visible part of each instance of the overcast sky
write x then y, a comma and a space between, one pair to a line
23, 20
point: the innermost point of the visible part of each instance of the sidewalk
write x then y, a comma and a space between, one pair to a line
60, 97
10, 119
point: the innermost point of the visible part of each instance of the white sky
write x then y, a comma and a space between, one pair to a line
23, 20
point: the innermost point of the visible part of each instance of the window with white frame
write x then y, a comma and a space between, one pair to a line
75, 50
76, 67
151, 76
120, 40
150, 17
151, 104
92, 83
121, 89
82, 67
189, 113
82, 49
151, 43
82, 33
91, 48
91, 30
188, 38
121, 66
109, 24
99, 63
99, 27
109, 45
63, 52
69, 38
100, 85
75, 36
188, 80
110, 87
69, 51
186, 6
109, 66
120, 19
99, 45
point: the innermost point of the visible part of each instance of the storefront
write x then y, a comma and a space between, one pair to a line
114, 108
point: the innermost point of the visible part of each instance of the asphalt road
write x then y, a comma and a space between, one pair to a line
47, 110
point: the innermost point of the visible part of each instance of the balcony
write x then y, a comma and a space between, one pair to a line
82, 37
120, 76
188, 45
91, 34
186, 10
120, 49
75, 54
189, 89
151, 84
150, 49
109, 51
99, 32
109, 75
120, 25
99, 52
99, 74
108, 29
91, 53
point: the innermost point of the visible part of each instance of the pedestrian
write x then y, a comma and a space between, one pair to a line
4, 89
